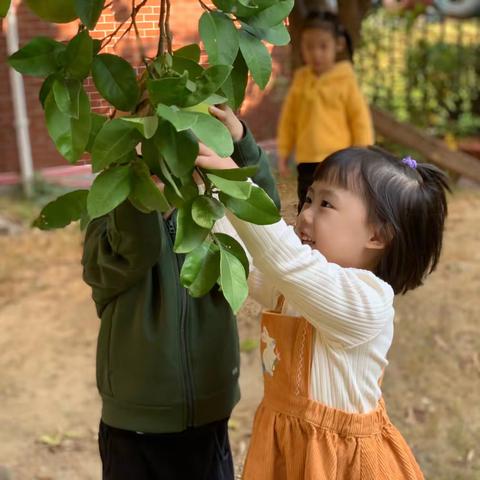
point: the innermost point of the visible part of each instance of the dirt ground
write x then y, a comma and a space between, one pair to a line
49, 405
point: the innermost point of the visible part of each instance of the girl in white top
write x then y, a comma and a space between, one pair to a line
371, 227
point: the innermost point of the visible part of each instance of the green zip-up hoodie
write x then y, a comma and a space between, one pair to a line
165, 360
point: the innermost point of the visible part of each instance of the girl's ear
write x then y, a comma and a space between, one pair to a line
341, 44
379, 238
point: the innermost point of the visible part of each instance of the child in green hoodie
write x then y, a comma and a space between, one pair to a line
167, 363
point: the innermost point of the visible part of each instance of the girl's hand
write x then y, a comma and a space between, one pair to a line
225, 114
209, 159
283, 169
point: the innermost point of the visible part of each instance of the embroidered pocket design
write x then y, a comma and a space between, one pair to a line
270, 354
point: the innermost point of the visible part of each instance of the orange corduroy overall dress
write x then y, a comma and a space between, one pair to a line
297, 438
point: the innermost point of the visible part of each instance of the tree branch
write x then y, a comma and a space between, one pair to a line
167, 28
161, 26
204, 6
111, 36
137, 35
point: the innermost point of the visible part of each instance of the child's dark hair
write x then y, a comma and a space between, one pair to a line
329, 22
405, 199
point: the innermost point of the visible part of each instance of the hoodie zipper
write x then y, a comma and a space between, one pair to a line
187, 374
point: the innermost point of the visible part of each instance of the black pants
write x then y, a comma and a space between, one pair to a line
201, 453
305, 179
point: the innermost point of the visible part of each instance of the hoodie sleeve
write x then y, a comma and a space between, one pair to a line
119, 249
247, 153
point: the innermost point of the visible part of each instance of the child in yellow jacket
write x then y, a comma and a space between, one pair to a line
325, 110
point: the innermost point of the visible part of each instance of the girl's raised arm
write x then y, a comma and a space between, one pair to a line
348, 306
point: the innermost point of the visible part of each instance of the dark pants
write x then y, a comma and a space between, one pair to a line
305, 179
201, 453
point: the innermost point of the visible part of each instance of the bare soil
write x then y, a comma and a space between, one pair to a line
49, 404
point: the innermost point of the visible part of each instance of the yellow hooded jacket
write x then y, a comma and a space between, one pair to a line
323, 114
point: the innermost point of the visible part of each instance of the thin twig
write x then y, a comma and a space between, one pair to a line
204, 6
137, 35
120, 38
112, 35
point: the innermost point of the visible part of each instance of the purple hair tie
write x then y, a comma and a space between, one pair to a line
410, 162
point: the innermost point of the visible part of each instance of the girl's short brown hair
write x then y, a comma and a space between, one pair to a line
405, 199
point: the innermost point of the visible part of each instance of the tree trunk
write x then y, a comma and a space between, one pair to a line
351, 15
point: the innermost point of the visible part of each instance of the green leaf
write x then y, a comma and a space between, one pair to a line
207, 84
201, 269
206, 211
147, 126
257, 58
114, 139
235, 173
168, 90
97, 46
115, 79
225, 5
109, 190
179, 149
178, 191
151, 156
38, 58
234, 6
230, 244
84, 221
189, 235
144, 190
96, 125
273, 15
215, 100
236, 189
235, 85
79, 56
61, 212
4, 6
258, 208
182, 65
249, 345
220, 38
213, 134
233, 280
45, 89
277, 35
69, 134
168, 179
67, 96
191, 52
89, 11
138, 205
180, 120
263, 4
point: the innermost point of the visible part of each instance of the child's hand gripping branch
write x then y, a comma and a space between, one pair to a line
225, 114
208, 159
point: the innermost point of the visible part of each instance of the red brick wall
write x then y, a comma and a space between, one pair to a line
260, 110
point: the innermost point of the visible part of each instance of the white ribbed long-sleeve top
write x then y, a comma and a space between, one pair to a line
350, 309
